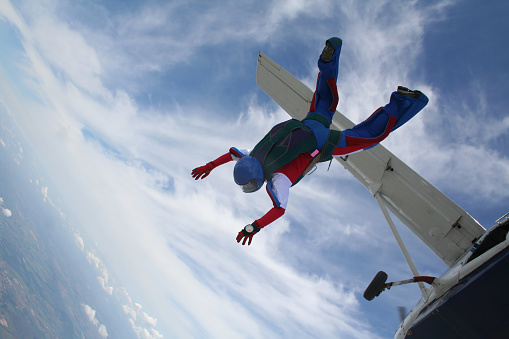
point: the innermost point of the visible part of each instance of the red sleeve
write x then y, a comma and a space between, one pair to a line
223, 159
296, 167
272, 215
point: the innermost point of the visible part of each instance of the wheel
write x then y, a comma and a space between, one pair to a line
375, 288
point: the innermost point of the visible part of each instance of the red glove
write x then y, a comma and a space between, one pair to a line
203, 171
247, 233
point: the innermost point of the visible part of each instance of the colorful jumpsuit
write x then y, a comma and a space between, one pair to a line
367, 134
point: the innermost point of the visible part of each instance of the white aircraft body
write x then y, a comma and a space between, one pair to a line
477, 260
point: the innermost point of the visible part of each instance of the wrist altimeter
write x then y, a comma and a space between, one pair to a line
251, 228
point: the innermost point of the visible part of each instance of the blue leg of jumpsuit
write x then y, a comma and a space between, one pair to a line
325, 97
385, 120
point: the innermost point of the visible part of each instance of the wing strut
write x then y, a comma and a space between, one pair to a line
401, 244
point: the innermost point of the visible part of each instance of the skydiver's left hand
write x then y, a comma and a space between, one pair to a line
247, 233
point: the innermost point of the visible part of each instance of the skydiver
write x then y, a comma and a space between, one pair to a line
300, 144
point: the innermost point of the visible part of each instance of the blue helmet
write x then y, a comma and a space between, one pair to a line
248, 173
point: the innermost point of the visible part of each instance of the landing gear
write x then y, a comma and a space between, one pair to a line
378, 284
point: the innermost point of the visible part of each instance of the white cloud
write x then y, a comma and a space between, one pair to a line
92, 259
103, 277
91, 314
102, 331
44, 191
141, 323
103, 281
79, 241
145, 318
144, 333
6, 212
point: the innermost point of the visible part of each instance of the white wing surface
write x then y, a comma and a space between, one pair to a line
441, 224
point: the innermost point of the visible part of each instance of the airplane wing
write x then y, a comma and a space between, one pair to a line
442, 225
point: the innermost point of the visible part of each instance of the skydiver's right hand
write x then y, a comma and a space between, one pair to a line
247, 233
203, 171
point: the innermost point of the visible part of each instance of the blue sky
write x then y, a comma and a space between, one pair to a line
122, 99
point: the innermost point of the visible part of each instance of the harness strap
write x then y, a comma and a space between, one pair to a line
312, 164
325, 153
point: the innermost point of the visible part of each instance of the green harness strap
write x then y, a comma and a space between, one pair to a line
330, 145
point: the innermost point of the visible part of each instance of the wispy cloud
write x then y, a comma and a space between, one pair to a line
142, 324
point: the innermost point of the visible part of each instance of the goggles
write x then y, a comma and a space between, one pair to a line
250, 187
